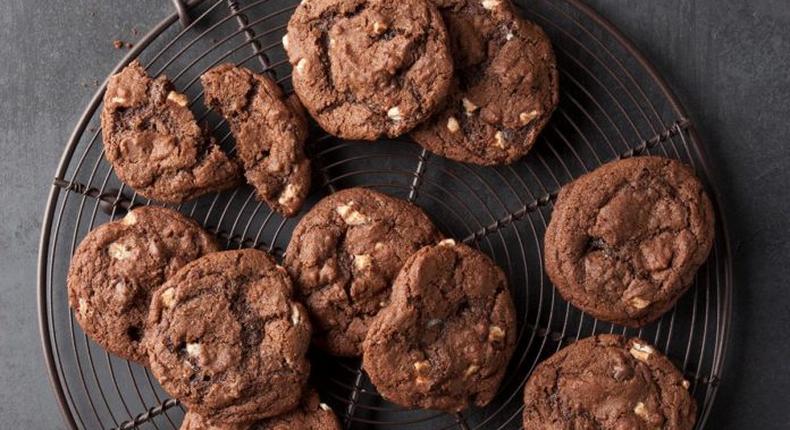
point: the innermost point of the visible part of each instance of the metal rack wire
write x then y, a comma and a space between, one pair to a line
613, 105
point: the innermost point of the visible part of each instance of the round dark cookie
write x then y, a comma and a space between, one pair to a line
505, 87
608, 382
369, 68
225, 330
446, 337
311, 414
154, 143
344, 255
625, 240
119, 265
270, 132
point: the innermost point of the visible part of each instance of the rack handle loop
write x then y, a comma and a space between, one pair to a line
183, 13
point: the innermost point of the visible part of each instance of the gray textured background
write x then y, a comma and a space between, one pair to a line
729, 60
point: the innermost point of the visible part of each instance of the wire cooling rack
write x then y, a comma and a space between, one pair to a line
613, 105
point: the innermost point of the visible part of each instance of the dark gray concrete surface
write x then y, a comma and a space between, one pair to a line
729, 61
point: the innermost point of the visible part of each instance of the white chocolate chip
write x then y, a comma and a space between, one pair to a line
193, 349
379, 28
495, 334
433, 323
490, 4
422, 367
499, 139
296, 315
325, 407
350, 215
641, 411
362, 262
469, 107
471, 370
394, 114
638, 302
168, 297
118, 100
285, 41
641, 352
289, 194
447, 242
509, 36
686, 384
452, 125
119, 251
129, 219
177, 98
300, 66
527, 117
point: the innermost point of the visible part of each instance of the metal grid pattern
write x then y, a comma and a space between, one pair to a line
613, 105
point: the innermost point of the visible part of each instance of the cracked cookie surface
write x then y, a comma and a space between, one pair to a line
311, 414
154, 143
369, 68
118, 266
626, 240
608, 382
270, 132
446, 337
223, 331
505, 86
343, 257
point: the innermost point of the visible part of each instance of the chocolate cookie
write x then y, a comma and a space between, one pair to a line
369, 68
608, 382
505, 87
270, 132
226, 338
310, 415
119, 265
625, 241
154, 143
343, 256
446, 337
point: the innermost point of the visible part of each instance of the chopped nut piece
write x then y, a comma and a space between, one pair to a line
527, 117
324, 406
378, 246
83, 310
394, 114
490, 4
496, 334
452, 125
641, 411
638, 302
118, 101
447, 242
119, 251
469, 107
641, 352
362, 262
177, 98
422, 381
509, 36
379, 27
686, 384
422, 367
350, 215
193, 349
296, 315
168, 297
285, 42
129, 219
433, 323
499, 139
471, 370
301, 65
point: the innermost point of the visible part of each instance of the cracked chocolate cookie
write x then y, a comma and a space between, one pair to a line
311, 414
446, 337
154, 143
505, 87
343, 256
369, 68
119, 265
226, 337
270, 132
608, 382
625, 240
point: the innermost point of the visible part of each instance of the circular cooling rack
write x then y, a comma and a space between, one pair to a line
612, 105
